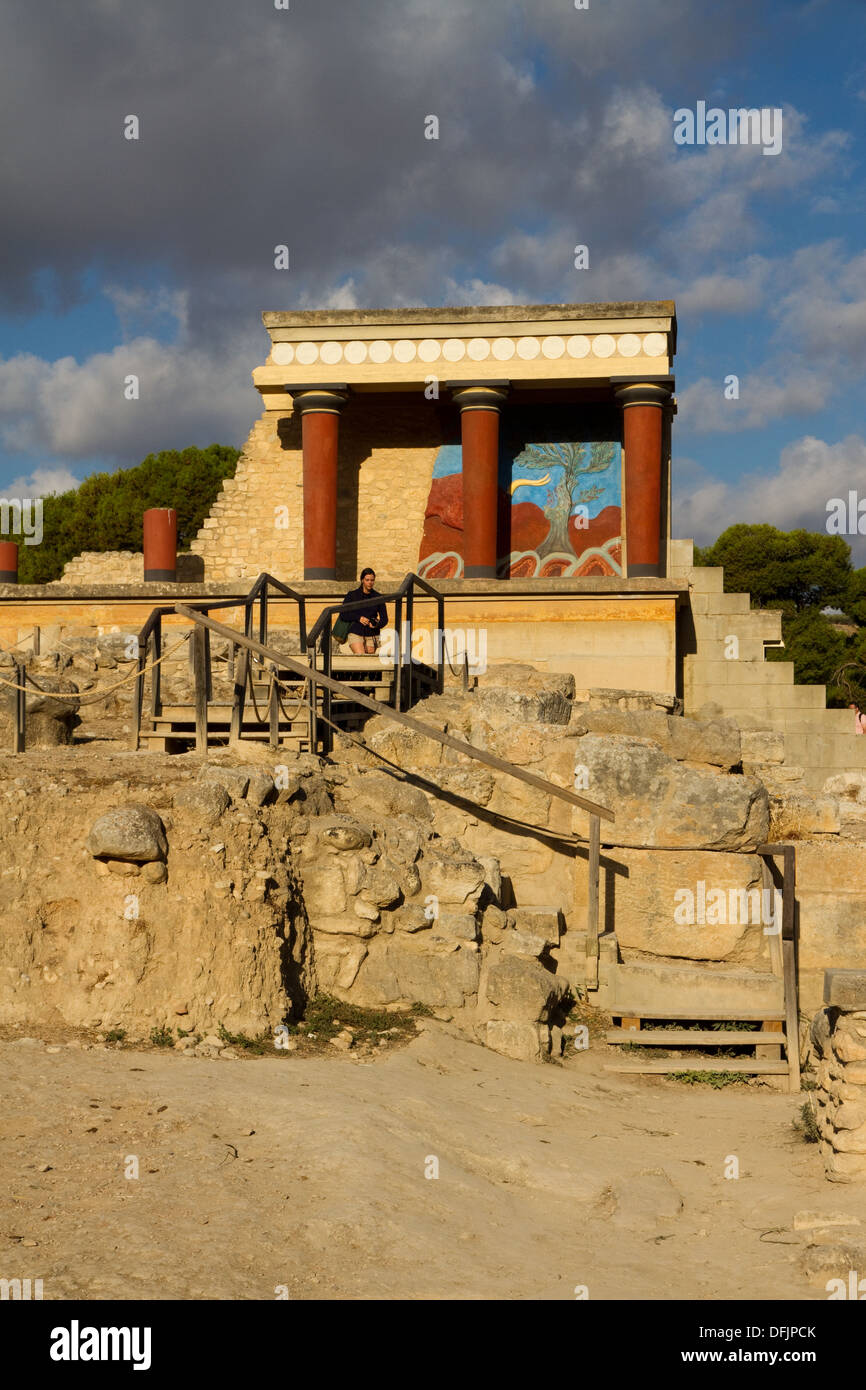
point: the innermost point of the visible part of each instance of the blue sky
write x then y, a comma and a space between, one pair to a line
259, 127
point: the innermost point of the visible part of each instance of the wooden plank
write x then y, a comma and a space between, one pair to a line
686, 1037
19, 730
792, 1019
592, 904
660, 1065
274, 715
241, 670
199, 652
774, 938
771, 1050
702, 1015
467, 749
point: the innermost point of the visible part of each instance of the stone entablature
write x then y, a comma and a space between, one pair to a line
529, 344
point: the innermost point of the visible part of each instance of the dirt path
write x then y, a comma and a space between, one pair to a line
549, 1177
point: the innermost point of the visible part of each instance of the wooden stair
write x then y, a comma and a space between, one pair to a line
172, 729
767, 1042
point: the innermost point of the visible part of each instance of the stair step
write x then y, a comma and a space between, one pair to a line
703, 1015
753, 1066
697, 1037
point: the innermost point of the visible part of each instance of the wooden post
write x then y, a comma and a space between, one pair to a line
137, 698
273, 711
440, 618
771, 1051
240, 693
199, 652
775, 936
208, 665
789, 959
410, 616
592, 903
156, 673
398, 654
19, 733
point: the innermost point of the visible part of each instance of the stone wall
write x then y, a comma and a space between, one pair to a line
257, 521
121, 567
839, 1039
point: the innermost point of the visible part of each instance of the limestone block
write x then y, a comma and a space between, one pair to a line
537, 921
660, 802
606, 698
405, 969
850, 1140
342, 832
380, 886
848, 786
324, 889
518, 943
338, 960
521, 989
762, 746
796, 816
660, 898
512, 674
235, 780
846, 989
850, 1115
132, 833
525, 1042
205, 801
457, 926
452, 881
500, 704
380, 795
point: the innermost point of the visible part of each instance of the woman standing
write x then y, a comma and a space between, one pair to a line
365, 623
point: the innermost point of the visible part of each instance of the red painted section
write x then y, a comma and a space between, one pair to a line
320, 433
642, 441
480, 431
159, 525
9, 559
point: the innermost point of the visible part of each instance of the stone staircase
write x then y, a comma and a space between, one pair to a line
724, 670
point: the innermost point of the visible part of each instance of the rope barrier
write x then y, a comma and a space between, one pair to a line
103, 694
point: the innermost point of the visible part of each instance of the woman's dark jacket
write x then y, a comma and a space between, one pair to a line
376, 612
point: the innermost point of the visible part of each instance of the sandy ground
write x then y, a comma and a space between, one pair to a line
309, 1173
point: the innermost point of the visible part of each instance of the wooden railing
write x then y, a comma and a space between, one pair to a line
319, 642
150, 641
783, 946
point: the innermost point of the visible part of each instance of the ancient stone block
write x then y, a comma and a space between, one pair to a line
131, 833
525, 1042
520, 989
660, 802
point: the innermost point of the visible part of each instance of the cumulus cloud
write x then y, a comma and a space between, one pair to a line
810, 472
80, 411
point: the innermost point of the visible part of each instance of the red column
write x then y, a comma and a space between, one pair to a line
159, 528
479, 424
320, 432
643, 406
8, 562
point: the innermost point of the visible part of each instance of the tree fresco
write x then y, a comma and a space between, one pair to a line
568, 492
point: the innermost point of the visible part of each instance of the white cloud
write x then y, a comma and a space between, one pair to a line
810, 472
79, 411
42, 482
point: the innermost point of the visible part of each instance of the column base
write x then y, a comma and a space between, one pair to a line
154, 576
8, 576
320, 574
479, 571
644, 571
